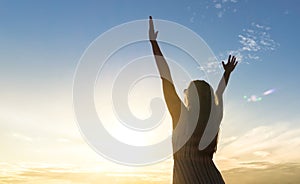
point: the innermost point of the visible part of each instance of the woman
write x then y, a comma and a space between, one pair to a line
193, 158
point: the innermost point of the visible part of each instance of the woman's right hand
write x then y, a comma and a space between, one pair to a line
152, 33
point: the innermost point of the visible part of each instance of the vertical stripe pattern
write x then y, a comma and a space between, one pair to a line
200, 170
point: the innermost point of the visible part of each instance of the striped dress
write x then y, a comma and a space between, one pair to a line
192, 166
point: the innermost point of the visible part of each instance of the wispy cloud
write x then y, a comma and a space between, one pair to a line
219, 7
211, 66
249, 44
268, 173
273, 144
59, 173
224, 6
254, 42
22, 137
258, 35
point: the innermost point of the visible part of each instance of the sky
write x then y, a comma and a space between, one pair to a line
41, 43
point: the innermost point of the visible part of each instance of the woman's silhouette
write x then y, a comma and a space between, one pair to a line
193, 164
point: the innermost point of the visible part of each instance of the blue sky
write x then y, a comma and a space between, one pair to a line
41, 43
44, 40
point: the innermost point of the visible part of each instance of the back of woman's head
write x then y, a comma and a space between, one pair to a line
198, 93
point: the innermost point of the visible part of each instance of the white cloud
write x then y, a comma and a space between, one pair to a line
225, 6
212, 66
248, 44
22, 137
254, 57
218, 6
261, 153
286, 12
259, 26
192, 20
254, 41
237, 53
273, 144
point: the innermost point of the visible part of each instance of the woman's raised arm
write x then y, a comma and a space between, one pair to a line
228, 67
173, 102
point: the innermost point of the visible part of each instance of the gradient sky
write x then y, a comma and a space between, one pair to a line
41, 43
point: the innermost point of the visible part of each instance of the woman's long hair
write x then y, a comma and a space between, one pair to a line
200, 93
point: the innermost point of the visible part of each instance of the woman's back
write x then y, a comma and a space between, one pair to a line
192, 165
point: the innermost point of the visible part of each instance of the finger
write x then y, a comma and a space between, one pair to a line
234, 60
156, 34
233, 67
151, 22
229, 59
236, 63
223, 64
